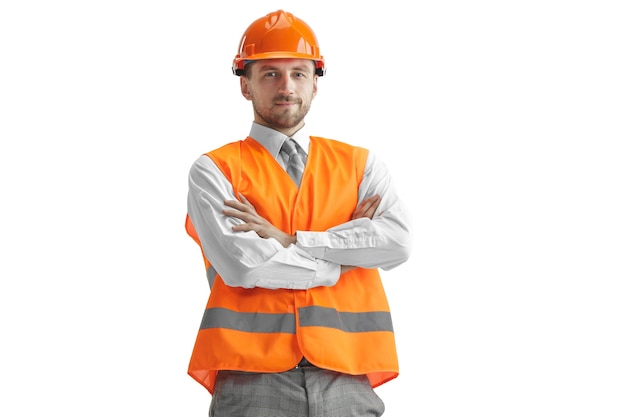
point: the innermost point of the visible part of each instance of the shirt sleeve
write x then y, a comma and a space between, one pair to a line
385, 241
243, 259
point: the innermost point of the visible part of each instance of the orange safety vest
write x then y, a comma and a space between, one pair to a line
346, 327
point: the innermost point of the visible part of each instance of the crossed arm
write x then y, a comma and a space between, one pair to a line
245, 211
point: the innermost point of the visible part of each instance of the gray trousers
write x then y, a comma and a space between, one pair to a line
300, 392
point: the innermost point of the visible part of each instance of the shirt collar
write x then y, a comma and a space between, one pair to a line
272, 140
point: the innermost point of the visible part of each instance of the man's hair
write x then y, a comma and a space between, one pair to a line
247, 69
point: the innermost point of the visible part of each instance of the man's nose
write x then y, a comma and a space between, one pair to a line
286, 85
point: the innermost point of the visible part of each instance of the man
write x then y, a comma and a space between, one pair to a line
297, 322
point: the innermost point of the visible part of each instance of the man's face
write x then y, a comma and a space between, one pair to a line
281, 91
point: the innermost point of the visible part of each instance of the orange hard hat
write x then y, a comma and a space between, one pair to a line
278, 35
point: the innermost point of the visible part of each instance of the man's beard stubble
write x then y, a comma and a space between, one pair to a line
286, 119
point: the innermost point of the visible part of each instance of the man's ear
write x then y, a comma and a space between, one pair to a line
245, 90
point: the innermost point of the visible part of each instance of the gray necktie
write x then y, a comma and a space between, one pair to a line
295, 164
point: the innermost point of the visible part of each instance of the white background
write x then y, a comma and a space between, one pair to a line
513, 114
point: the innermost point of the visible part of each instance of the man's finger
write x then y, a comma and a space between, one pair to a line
367, 207
239, 206
244, 199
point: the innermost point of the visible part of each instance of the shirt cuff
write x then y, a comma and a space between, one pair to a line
313, 243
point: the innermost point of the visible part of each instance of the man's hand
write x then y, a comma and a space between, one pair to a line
366, 208
244, 210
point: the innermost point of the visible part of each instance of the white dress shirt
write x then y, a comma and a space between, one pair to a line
246, 260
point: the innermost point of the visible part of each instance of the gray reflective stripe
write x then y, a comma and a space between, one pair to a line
374, 321
248, 322
210, 275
